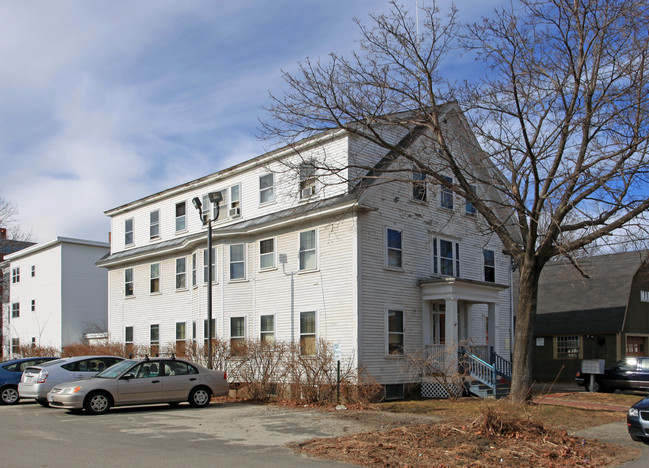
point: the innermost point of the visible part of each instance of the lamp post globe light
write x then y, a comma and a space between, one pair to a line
216, 198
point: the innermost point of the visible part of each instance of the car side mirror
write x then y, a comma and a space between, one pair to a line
128, 376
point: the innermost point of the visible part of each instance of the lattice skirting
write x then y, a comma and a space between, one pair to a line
437, 390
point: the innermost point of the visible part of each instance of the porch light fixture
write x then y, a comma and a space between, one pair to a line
216, 198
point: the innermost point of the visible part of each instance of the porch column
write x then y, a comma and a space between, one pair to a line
451, 333
493, 329
426, 332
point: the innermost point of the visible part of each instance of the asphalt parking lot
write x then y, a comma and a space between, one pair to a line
162, 436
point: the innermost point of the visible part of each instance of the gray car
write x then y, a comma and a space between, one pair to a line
37, 381
142, 381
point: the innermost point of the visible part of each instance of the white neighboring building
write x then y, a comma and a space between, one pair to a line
57, 293
298, 257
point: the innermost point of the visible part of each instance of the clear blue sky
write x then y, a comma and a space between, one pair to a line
104, 102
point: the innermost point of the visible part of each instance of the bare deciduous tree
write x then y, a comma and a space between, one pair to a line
562, 112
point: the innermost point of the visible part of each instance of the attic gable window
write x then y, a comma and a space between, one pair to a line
307, 180
446, 196
418, 186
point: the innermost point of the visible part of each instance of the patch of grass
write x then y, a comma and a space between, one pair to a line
561, 417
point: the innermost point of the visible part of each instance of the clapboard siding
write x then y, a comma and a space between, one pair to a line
351, 289
68, 290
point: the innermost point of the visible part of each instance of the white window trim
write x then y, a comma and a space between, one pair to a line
261, 332
443, 191
317, 252
159, 291
215, 275
176, 274
176, 332
315, 334
271, 188
387, 331
155, 236
176, 217
437, 269
386, 257
484, 266
244, 261
415, 182
132, 231
274, 266
132, 282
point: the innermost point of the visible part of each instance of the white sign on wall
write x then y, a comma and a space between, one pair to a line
644, 296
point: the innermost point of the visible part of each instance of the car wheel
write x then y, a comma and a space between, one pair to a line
97, 403
199, 397
636, 438
9, 395
42, 402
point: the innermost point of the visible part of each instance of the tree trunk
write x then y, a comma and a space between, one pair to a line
528, 287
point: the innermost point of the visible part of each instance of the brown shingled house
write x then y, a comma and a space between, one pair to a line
605, 316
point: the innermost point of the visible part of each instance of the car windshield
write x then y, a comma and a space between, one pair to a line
116, 370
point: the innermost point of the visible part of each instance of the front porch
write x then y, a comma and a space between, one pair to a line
462, 337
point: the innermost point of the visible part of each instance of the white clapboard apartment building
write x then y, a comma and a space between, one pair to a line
392, 268
57, 295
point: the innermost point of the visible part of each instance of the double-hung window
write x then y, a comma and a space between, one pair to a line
33, 305
181, 273
128, 340
446, 257
181, 216
446, 195
128, 282
237, 262
154, 338
308, 260
266, 188
394, 248
395, 332
307, 180
237, 334
15, 275
235, 201
468, 206
33, 270
154, 278
266, 254
213, 330
15, 310
307, 333
489, 265
128, 231
219, 211
15, 346
418, 186
181, 336
154, 224
206, 262
193, 269
267, 329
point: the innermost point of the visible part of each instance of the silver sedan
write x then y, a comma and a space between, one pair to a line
141, 381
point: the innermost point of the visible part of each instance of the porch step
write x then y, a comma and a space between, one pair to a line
481, 390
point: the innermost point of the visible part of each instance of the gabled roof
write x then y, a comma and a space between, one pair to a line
595, 321
562, 288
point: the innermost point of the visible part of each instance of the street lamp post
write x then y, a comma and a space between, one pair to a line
216, 198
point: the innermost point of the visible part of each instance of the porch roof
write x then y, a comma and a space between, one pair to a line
460, 289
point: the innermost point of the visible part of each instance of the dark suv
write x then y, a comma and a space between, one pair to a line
629, 373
